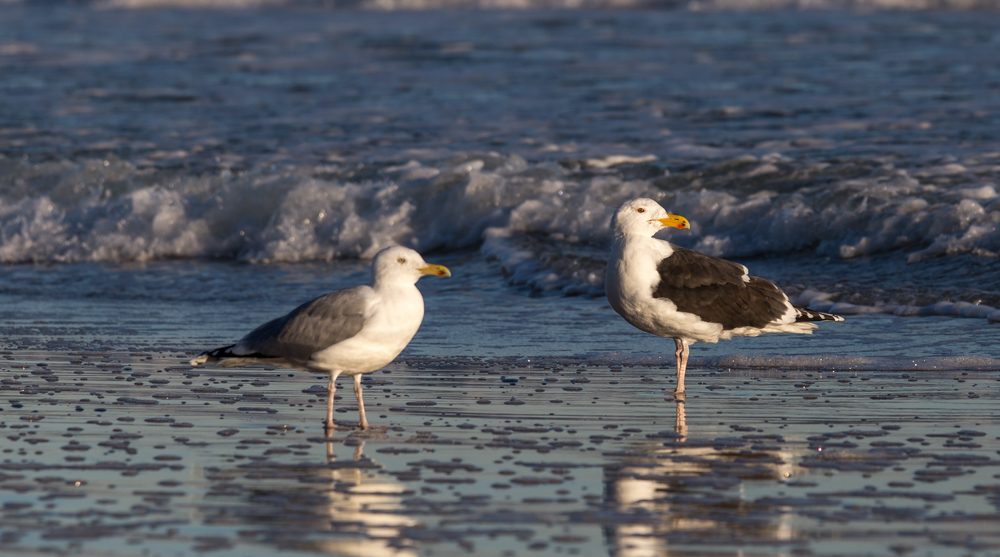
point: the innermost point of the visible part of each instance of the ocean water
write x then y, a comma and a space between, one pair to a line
174, 172
852, 154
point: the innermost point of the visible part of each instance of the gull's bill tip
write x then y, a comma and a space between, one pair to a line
675, 221
439, 270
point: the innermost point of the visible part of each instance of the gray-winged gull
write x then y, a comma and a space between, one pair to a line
688, 296
349, 332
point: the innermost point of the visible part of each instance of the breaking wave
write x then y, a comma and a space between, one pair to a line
111, 211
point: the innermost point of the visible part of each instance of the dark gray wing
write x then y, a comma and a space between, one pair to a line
311, 327
714, 290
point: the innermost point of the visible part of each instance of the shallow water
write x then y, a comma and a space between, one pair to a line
114, 452
475, 314
511, 425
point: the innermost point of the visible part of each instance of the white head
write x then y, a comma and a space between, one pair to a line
643, 217
403, 265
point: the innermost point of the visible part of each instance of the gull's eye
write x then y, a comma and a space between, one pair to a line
401, 260
640, 210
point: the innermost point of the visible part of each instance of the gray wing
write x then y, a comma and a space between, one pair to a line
311, 327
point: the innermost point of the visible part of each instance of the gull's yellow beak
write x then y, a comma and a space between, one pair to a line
439, 270
675, 221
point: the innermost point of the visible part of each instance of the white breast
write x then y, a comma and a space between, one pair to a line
630, 281
392, 321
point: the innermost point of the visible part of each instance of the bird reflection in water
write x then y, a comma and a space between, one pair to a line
682, 489
680, 417
335, 508
366, 506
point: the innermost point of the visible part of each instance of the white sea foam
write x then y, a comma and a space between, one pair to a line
112, 211
545, 222
821, 301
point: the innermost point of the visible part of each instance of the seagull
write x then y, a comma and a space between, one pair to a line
349, 332
678, 293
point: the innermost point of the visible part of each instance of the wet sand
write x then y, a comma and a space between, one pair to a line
121, 452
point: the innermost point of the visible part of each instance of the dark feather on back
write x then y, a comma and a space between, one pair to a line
714, 290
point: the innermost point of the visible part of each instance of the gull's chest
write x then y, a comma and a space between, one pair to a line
399, 312
392, 321
632, 274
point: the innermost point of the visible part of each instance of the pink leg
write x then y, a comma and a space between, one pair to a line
363, 424
331, 390
682, 360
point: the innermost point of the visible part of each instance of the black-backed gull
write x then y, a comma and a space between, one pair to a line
688, 296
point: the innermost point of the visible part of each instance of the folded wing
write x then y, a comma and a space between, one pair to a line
309, 328
718, 291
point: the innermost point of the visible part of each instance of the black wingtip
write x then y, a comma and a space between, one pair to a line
804, 314
215, 355
212, 356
